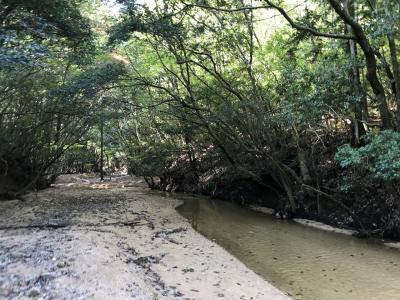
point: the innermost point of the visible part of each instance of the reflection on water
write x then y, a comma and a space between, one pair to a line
305, 262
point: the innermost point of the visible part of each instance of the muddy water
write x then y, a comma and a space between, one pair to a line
305, 262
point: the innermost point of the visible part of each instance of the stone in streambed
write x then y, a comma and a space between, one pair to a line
61, 264
33, 292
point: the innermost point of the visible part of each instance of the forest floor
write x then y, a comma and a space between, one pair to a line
83, 239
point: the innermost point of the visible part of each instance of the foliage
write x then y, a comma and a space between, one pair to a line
49, 93
380, 156
31, 30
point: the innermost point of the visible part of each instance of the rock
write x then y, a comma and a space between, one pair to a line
61, 264
33, 292
186, 270
46, 277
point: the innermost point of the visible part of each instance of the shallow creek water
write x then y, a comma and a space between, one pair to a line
306, 263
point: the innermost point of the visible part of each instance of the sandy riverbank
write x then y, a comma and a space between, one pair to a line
85, 240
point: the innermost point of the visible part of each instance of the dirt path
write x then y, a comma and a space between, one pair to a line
85, 240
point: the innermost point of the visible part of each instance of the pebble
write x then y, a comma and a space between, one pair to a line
47, 276
186, 270
61, 264
34, 292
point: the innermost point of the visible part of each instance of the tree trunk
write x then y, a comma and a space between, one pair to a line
289, 193
101, 148
358, 113
396, 76
354, 75
305, 172
357, 128
371, 63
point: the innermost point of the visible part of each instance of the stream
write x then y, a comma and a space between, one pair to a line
305, 262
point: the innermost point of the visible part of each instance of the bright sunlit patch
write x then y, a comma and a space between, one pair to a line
149, 3
112, 7
101, 186
120, 58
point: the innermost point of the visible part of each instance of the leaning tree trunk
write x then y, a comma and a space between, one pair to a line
371, 63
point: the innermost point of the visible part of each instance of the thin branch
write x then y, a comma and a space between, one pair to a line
283, 12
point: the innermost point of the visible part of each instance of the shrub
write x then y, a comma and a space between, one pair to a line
380, 156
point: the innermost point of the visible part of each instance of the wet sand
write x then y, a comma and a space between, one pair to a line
114, 240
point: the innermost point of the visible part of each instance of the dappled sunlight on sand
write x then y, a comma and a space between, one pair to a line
92, 181
100, 186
